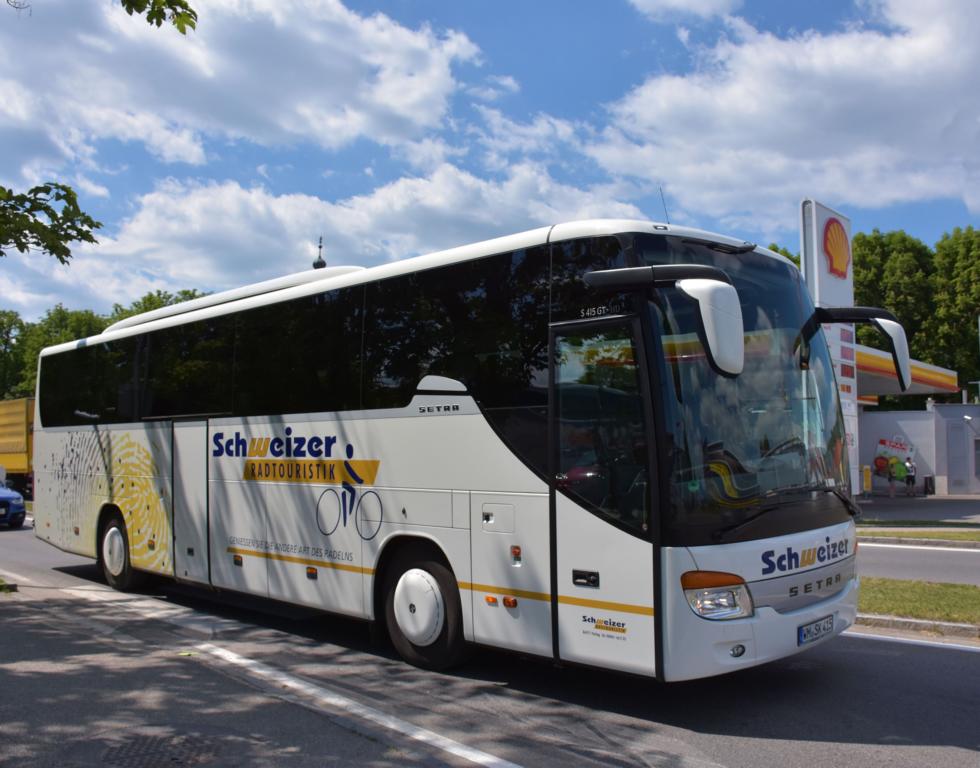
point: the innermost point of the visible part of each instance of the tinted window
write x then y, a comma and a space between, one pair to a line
484, 323
301, 356
572, 299
602, 440
189, 371
71, 387
120, 381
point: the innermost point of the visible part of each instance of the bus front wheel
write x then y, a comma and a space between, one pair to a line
423, 614
114, 556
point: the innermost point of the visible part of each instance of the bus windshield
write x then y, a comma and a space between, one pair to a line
763, 453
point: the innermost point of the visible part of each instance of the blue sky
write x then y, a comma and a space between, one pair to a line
399, 127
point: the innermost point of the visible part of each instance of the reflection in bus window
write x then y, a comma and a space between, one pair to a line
602, 457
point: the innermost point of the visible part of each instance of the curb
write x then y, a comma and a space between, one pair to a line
945, 628
920, 542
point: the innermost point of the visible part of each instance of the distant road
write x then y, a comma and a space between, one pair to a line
899, 561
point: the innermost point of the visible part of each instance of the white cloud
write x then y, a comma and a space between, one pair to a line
495, 87
503, 138
859, 117
658, 10
213, 236
273, 73
90, 187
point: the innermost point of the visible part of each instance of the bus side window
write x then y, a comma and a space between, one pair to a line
602, 444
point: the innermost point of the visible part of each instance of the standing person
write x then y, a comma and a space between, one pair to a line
909, 476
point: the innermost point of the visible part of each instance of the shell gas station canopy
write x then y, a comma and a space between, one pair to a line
876, 376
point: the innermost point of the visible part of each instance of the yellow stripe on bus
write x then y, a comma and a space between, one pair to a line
640, 610
301, 560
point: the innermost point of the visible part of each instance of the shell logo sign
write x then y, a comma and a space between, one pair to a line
836, 248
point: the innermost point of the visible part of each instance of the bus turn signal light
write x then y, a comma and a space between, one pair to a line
716, 595
510, 602
491, 600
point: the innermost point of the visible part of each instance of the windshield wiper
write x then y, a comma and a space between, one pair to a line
779, 499
722, 533
852, 508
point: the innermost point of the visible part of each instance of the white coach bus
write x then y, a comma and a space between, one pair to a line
610, 443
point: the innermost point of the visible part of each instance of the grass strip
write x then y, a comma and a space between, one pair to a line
927, 600
893, 533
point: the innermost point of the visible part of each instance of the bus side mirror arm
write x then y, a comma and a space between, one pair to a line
885, 322
719, 311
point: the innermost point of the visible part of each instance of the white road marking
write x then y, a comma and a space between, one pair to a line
336, 701
912, 641
923, 547
15, 577
154, 609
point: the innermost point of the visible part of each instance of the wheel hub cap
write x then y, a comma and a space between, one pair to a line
419, 607
114, 551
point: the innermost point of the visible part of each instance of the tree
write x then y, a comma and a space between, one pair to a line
11, 359
149, 302
178, 12
895, 271
952, 328
794, 257
47, 217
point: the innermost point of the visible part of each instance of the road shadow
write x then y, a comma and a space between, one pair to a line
849, 690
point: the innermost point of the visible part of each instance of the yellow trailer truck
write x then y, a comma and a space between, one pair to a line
17, 442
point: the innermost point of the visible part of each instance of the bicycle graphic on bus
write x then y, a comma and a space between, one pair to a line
332, 507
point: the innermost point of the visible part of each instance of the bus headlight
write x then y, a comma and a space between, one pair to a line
717, 596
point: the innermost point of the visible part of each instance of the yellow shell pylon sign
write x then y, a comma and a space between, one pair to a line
836, 247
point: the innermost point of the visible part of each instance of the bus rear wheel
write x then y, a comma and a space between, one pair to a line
424, 615
114, 556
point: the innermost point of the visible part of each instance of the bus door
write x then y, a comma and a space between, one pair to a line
190, 478
603, 578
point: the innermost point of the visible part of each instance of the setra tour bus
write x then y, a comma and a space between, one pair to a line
610, 443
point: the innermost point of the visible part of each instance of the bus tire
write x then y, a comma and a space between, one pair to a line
114, 556
423, 614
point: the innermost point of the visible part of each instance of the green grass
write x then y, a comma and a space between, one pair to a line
960, 535
958, 603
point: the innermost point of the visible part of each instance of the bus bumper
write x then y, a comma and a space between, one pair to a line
695, 647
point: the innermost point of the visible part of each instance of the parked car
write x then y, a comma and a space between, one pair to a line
12, 509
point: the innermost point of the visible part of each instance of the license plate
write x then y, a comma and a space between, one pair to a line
814, 630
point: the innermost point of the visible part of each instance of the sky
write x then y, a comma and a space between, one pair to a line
399, 127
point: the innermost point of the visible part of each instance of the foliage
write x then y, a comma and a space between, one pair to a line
895, 271
177, 12
952, 325
794, 257
45, 218
11, 362
151, 301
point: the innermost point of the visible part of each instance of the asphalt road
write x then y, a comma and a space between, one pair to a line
93, 677
925, 563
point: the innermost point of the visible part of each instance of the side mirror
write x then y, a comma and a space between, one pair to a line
900, 349
721, 321
885, 322
718, 307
